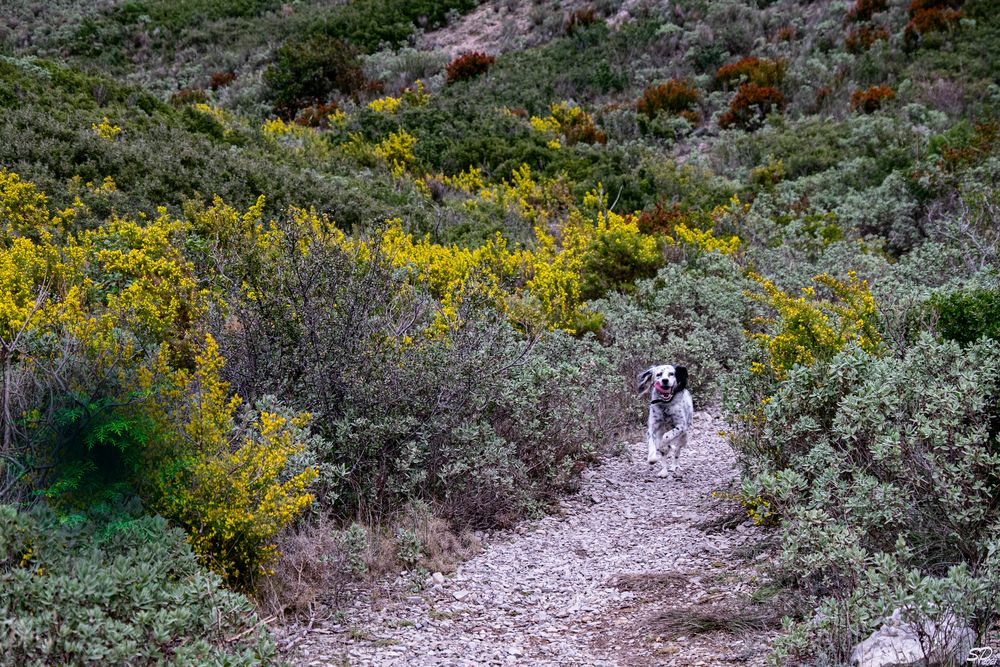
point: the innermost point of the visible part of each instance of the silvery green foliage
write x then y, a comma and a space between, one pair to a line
130, 593
398, 67
691, 316
884, 472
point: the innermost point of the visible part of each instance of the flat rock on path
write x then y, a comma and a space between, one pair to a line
577, 588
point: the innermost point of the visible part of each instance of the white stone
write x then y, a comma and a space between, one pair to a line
899, 643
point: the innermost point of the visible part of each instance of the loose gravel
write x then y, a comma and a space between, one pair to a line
584, 586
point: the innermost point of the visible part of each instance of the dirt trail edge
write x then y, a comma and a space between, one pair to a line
590, 585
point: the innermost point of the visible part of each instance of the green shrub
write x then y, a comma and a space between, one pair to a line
691, 315
966, 316
308, 70
128, 591
888, 478
370, 24
429, 428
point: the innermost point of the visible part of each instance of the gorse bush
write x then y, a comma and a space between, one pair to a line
812, 327
231, 486
572, 123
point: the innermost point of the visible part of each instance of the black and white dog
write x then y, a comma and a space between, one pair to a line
671, 413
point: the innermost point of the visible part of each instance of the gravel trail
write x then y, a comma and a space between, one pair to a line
585, 586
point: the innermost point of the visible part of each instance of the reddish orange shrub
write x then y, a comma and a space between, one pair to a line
675, 97
786, 34
584, 132
467, 66
861, 39
927, 16
863, 10
984, 141
317, 115
759, 71
662, 219
751, 106
581, 18
188, 96
221, 79
873, 99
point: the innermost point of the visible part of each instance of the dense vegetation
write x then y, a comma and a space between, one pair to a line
280, 278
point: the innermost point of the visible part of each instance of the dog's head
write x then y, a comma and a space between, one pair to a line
665, 381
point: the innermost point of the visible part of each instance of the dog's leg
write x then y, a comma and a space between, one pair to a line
653, 455
673, 441
676, 445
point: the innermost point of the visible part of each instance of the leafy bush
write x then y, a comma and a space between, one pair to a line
966, 316
884, 477
125, 591
467, 66
308, 70
420, 430
369, 24
692, 315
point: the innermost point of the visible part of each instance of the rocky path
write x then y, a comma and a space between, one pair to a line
602, 582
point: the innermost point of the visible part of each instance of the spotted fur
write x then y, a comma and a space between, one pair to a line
671, 414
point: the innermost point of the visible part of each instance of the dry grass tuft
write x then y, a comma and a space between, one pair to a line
717, 617
312, 571
650, 581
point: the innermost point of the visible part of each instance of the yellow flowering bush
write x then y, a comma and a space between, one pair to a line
275, 127
228, 484
703, 239
811, 327
23, 209
106, 129
469, 182
386, 105
568, 123
397, 151
411, 97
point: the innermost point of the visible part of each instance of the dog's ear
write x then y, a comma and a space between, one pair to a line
681, 373
644, 381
